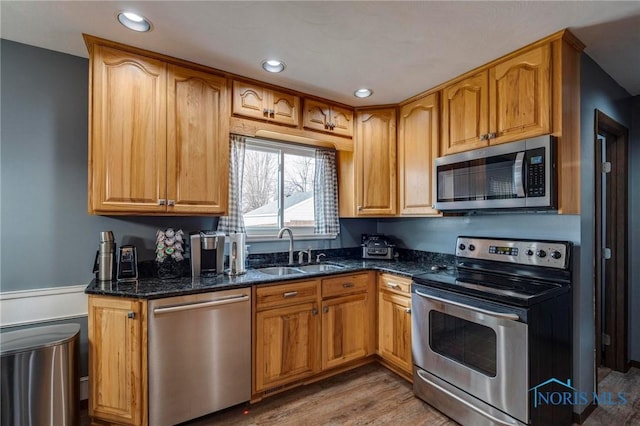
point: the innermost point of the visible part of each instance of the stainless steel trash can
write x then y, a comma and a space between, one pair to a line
40, 376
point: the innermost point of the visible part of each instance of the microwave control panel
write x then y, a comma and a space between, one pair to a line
535, 173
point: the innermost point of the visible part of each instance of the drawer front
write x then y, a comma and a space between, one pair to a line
345, 284
394, 283
286, 294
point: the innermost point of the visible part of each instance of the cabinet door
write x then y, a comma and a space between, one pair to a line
197, 142
286, 345
127, 151
394, 329
284, 108
418, 139
250, 100
316, 115
345, 329
116, 385
465, 114
342, 121
520, 100
375, 154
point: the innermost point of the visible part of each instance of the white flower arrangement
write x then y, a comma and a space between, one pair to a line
169, 244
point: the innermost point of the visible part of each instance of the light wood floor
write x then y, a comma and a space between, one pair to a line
372, 395
369, 395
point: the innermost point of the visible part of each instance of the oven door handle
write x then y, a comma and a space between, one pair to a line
513, 317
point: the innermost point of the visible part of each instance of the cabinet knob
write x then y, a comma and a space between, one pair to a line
171, 202
131, 314
314, 311
272, 113
491, 136
483, 137
326, 125
265, 112
359, 208
408, 310
325, 309
161, 202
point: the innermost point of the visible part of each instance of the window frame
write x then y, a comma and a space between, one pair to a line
269, 233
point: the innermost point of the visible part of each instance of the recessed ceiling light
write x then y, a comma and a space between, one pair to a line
363, 93
134, 22
273, 65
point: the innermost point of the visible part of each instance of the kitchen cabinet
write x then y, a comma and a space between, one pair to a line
375, 162
159, 139
327, 117
418, 143
287, 333
347, 319
257, 102
117, 360
510, 100
394, 323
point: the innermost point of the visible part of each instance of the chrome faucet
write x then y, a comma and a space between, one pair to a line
280, 234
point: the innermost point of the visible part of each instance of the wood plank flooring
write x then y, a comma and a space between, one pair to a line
619, 415
369, 395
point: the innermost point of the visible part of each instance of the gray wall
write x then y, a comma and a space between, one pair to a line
598, 91
48, 239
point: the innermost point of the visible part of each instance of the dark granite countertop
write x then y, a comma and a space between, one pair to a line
153, 288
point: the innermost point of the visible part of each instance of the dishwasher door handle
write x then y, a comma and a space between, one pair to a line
208, 304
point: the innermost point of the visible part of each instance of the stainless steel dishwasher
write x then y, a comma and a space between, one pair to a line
199, 354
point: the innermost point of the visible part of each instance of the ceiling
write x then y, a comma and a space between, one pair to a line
395, 48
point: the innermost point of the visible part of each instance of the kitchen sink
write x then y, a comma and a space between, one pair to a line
319, 268
280, 270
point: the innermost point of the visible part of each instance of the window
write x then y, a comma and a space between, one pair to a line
277, 188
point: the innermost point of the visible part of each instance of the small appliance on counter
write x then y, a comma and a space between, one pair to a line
207, 253
128, 263
237, 254
104, 265
377, 246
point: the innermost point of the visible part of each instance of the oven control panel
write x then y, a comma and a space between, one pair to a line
553, 254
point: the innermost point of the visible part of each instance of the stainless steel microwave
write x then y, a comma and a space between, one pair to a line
516, 175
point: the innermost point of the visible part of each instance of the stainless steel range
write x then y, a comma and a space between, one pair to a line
487, 331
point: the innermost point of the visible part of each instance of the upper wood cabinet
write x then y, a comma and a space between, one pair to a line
375, 162
128, 139
322, 116
418, 139
511, 100
197, 142
520, 96
117, 347
159, 138
254, 101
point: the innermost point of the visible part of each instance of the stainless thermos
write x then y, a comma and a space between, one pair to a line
105, 262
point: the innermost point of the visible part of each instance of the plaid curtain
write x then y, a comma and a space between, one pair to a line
325, 193
234, 222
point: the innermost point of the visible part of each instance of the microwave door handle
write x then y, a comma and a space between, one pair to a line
518, 178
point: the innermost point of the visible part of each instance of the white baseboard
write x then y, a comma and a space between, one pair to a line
26, 307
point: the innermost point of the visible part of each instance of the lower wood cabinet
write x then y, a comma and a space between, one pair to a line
287, 331
394, 323
294, 339
117, 361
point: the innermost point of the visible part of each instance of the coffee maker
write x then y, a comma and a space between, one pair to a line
207, 253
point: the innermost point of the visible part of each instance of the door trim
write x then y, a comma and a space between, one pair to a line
619, 289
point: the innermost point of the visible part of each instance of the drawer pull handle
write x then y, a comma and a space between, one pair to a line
290, 294
393, 285
347, 285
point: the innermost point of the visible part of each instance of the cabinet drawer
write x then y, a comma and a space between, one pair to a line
286, 294
345, 284
394, 283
